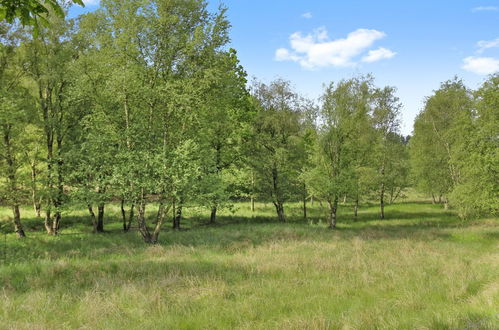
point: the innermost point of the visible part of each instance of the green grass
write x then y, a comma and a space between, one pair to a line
420, 268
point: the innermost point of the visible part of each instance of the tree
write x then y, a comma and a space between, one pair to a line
438, 130
389, 156
10, 127
221, 120
276, 127
14, 110
47, 63
156, 56
305, 146
336, 150
32, 159
477, 156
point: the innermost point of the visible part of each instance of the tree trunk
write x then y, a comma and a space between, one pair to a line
93, 218
382, 193
38, 209
279, 207
277, 196
130, 217
60, 188
213, 216
123, 214
100, 218
45, 97
48, 220
356, 208
382, 201
333, 208
34, 193
18, 227
56, 222
434, 201
252, 192
12, 179
48, 212
126, 224
305, 208
177, 216
162, 211
446, 203
141, 219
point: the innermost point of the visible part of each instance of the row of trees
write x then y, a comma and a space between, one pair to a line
138, 99
348, 148
455, 147
141, 103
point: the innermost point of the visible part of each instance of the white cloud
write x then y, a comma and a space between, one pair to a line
91, 2
485, 8
481, 65
486, 44
282, 54
315, 50
307, 15
378, 54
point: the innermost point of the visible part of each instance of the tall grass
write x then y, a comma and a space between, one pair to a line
420, 268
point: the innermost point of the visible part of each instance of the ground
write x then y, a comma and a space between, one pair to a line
420, 268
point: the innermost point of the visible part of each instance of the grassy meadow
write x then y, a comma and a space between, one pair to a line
421, 268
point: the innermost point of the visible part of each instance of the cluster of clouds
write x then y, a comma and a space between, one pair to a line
482, 64
316, 50
478, 63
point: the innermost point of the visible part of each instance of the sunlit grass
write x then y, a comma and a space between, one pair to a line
420, 268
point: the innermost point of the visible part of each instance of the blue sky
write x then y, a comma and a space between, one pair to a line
412, 45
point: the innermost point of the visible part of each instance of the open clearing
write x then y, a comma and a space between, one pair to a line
420, 268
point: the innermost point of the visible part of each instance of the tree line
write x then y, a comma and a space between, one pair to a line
143, 104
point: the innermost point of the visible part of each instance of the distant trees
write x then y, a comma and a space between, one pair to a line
358, 151
454, 148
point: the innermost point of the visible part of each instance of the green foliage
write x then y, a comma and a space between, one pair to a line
31, 12
142, 101
358, 149
275, 142
454, 147
222, 120
477, 156
437, 132
390, 158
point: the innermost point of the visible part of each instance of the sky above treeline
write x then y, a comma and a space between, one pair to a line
412, 45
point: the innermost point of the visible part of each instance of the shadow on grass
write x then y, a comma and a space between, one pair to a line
232, 233
81, 277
